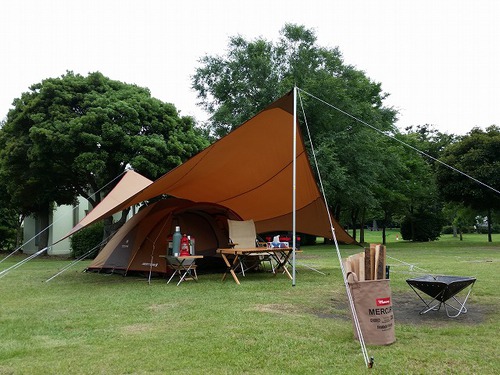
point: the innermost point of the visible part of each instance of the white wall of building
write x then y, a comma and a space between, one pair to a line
62, 220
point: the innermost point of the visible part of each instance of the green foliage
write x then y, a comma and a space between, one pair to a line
422, 226
447, 229
306, 240
87, 239
429, 140
9, 221
495, 228
412, 189
71, 135
252, 74
478, 155
8, 229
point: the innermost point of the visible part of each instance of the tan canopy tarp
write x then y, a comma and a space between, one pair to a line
130, 184
250, 172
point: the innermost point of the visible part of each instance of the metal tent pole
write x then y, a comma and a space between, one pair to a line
294, 178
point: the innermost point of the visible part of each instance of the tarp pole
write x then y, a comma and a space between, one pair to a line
294, 186
368, 360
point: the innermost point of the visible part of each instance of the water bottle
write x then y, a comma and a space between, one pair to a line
176, 239
169, 245
192, 245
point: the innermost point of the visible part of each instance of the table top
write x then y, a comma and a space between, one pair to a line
183, 257
255, 250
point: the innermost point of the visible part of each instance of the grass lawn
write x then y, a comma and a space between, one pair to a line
83, 323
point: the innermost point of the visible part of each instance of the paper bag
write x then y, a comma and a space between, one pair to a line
373, 304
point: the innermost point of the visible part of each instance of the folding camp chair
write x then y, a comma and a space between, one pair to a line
242, 235
443, 290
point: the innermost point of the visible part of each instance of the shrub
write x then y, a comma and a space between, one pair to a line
7, 237
307, 239
8, 229
447, 229
483, 229
422, 226
87, 239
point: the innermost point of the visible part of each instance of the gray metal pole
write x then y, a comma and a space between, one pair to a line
294, 185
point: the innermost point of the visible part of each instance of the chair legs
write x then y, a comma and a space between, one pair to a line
245, 265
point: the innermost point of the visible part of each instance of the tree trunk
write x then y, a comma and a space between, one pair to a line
111, 228
19, 231
336, 214
362, 226
461, 235
354, 221
384, 226
43, 215
412, 224
489, 225
108, 229
455, 231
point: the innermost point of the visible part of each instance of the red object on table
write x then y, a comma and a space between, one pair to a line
184, 246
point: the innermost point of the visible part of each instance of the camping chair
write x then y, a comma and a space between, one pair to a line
443, 290
242, 235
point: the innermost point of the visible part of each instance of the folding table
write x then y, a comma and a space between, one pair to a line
280, 256
183, 266
443, 290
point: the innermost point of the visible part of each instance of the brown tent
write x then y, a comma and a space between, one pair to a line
137, 246
250, 171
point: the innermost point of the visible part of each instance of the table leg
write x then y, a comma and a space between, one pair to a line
171, 277
228, 265
183, 273
282, 262
235, 263
230, 268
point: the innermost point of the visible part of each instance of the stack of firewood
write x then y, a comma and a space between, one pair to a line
368, 265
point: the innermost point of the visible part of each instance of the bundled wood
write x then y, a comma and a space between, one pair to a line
361, 266
368, 265
380, 262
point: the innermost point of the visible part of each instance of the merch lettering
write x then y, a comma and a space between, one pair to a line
381, 311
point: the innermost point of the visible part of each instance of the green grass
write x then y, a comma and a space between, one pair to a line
83, 323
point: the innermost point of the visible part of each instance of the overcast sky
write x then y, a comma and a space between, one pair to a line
439, 59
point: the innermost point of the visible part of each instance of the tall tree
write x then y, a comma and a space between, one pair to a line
10, 223
391, 187
252, 74
460, 217
476, 154
423, 204
71, 135
429, 140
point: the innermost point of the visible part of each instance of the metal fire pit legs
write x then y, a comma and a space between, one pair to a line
443, 290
